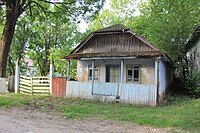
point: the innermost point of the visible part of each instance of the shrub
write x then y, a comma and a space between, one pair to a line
192, 82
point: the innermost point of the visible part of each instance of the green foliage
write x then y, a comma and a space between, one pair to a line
180, 112
121, 11
169, 24
44, 26
192, 82
19, 44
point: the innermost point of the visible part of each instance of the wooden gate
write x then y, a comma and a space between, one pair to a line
35, 85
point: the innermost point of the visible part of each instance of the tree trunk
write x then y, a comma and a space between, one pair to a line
12, 14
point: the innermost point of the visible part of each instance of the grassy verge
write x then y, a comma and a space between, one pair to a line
180, 112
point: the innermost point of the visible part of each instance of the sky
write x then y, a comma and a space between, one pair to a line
83, 25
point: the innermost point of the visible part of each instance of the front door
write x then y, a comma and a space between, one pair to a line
112, 73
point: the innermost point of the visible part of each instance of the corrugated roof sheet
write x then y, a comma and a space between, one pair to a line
111, 54
114, 28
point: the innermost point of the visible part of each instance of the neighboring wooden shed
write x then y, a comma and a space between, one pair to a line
193, 49
117, 64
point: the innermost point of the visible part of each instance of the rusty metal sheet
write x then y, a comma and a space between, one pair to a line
59, 86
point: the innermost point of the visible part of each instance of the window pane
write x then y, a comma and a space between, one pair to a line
90, 73
96, 73
130, 74
133, 73
136, 73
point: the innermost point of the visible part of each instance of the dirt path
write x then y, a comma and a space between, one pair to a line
20, 120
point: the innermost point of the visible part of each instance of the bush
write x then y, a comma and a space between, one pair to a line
192, 82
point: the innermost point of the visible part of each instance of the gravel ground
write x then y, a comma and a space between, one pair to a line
23, 120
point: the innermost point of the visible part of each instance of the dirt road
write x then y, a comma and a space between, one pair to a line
20, 120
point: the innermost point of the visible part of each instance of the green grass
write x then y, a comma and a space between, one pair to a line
179, 112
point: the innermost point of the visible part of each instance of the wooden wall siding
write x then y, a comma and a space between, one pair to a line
194, 51
114, 43
129, 93
59, 86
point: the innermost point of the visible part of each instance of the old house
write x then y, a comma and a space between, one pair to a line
117, 64
193, 49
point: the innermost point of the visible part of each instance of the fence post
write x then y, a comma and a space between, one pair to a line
17, 76
51, 74
68, 70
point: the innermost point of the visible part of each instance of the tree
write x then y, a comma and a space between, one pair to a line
50, 38
169, 25
20, 40
13, 9
165, 23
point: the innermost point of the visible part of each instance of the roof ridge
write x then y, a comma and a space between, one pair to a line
113, 28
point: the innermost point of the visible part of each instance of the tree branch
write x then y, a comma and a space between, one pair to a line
57, 2
42, 8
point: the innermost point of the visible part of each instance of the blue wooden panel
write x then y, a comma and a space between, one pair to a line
107, 92
109, 89
79, 89
138, 94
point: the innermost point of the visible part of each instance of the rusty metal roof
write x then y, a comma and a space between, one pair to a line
114, 28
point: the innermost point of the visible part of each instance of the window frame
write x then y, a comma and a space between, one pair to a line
96, 77
133, 68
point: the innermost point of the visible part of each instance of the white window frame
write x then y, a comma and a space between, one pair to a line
132, 79
96, 73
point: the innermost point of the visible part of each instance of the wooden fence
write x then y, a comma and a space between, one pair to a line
111, 92
35, 85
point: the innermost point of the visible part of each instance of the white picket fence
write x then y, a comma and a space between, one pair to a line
34, 85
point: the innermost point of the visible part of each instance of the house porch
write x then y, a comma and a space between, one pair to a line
124, 80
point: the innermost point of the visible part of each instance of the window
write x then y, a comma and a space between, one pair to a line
190, 57
133, 74
96, 73
194, 55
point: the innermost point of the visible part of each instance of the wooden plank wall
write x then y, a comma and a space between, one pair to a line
115, 43
59, 86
